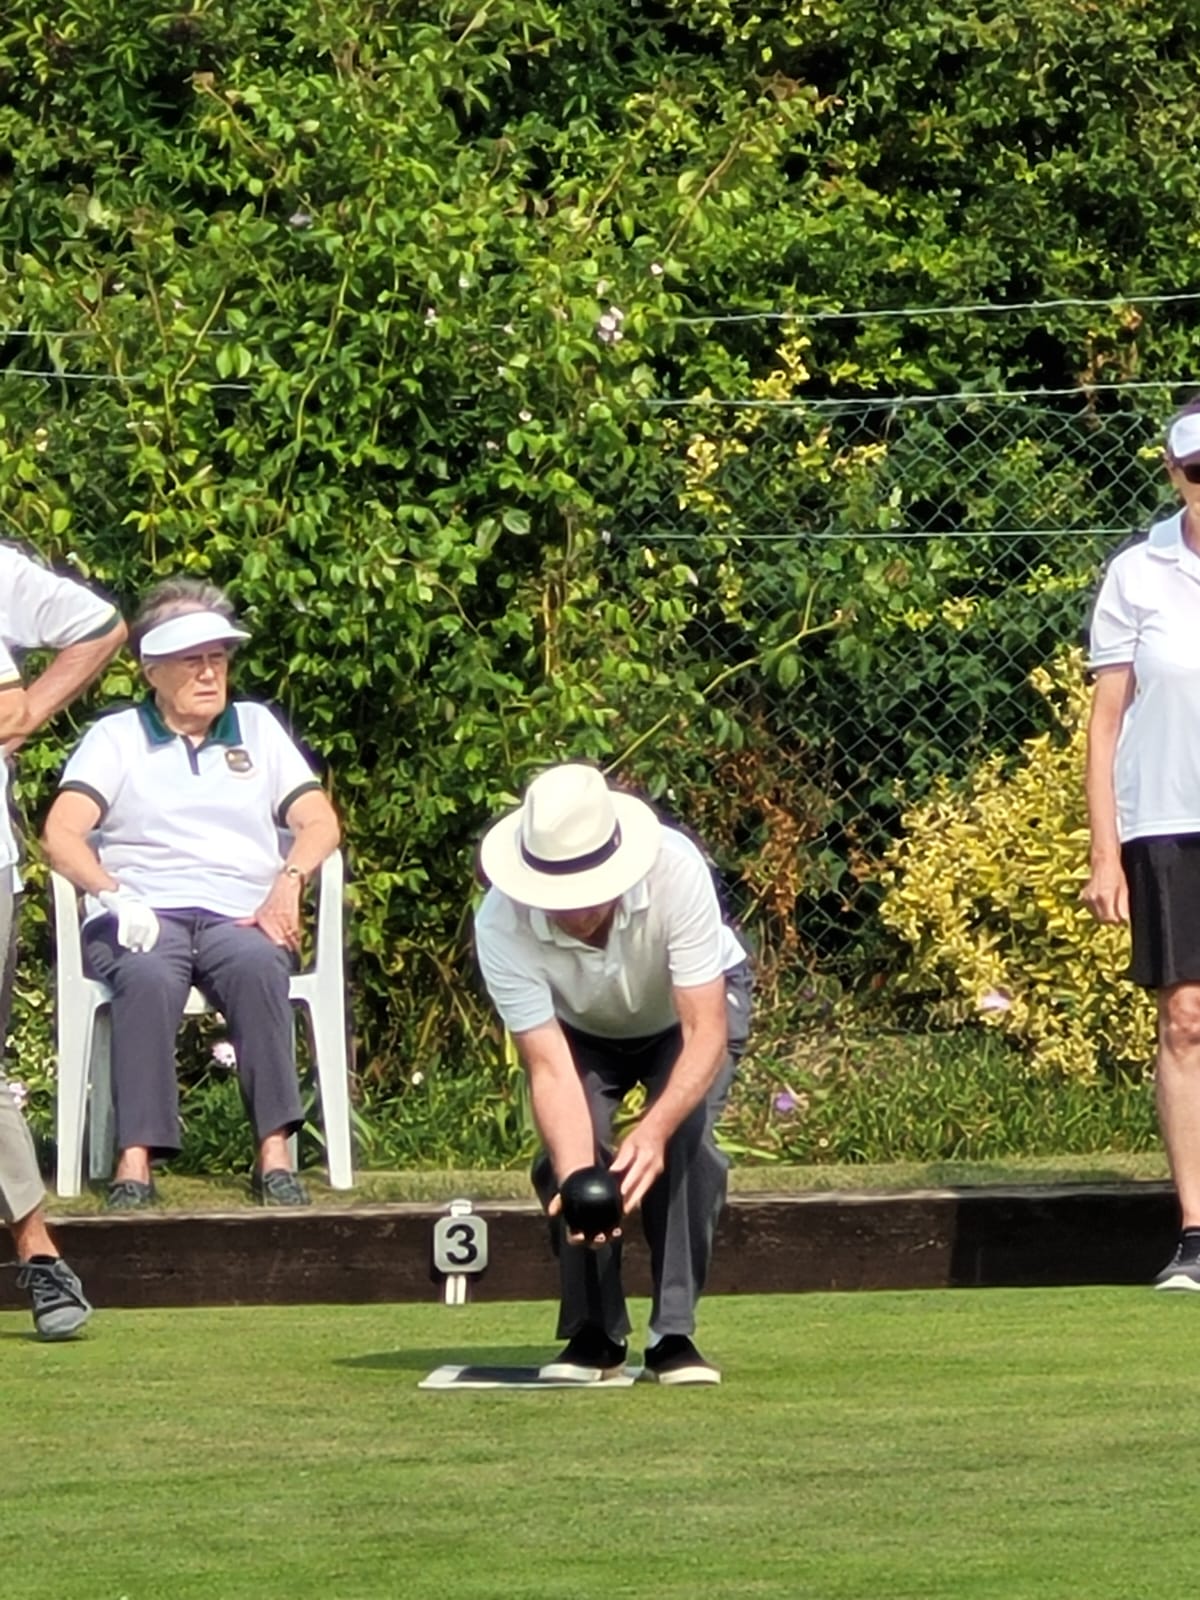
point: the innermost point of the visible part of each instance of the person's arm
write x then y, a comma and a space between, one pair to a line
1106, 893
556, 1094
71, 819
72, 669
641, 1157
315, 831
14, 711
560, 1110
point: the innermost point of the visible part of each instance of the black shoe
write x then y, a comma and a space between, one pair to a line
1183, 1269
60, 1307
128, 1194
590, 1357
279, 1187
675, 1359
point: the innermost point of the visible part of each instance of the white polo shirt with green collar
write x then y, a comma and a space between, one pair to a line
39, 610
1147, 616
185, 825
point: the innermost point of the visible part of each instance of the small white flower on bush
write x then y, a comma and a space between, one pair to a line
525, 415
224, 1055
995, 1000
19, 1092
431, 317
418, 1078
656, 270
608, 329
300, 219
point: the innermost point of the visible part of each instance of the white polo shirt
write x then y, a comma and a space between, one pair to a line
40, 611
1147, 615
667, 932
185, 825
10, 678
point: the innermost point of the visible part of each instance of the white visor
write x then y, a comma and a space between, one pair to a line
1183, 439
187, 632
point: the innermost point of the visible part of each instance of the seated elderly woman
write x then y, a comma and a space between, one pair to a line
169, 817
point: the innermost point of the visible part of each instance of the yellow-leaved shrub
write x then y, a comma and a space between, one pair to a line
984, 886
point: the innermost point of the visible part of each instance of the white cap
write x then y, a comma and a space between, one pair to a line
186, 631
1183, 437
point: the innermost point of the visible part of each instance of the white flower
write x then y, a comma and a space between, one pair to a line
19, 1092
418, 1078
491, 444
224, 1055
617, 315
502, 372
656, 270
463, 281
300, 219
525, 416
509, 329
995, 1000
431, 316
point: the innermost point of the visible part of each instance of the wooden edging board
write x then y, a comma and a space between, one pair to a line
767, 1244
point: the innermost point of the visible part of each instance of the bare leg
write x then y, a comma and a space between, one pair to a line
31, 1238
273, 1152
1177, 1088
134, 1164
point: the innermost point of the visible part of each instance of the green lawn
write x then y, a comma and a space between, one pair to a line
938, 1446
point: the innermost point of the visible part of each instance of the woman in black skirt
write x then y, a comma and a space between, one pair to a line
1143, 791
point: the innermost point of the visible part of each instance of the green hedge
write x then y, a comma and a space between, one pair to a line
307, 298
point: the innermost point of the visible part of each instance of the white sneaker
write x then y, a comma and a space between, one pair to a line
590, 1357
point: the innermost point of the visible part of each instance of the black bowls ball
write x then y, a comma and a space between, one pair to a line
591, 1202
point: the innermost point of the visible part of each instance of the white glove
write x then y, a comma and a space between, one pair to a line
137, 925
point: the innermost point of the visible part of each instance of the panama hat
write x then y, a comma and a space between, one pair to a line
572, 842
187, 631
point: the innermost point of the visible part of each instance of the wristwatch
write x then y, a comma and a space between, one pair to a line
292, 872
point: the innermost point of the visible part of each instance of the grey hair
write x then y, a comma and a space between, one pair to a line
173, 597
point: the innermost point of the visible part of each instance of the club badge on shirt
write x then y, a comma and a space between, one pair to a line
238, 760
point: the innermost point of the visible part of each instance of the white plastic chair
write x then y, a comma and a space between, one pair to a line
85, 1035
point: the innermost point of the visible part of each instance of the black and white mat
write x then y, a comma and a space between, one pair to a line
517, 1378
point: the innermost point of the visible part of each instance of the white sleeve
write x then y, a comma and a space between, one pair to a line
694, 924
520, 993
46, 612
10, 678
95, 767
1113, 632
289, 773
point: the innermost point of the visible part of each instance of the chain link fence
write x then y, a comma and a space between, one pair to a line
946, 545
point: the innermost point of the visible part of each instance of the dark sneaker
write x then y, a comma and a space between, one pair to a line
590, 1357
675, 1359
128, 1194
1183, 1269
60, 1307
279, 1187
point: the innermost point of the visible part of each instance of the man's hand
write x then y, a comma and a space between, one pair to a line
279, 914
137, 924
554, 1209
638, 1163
